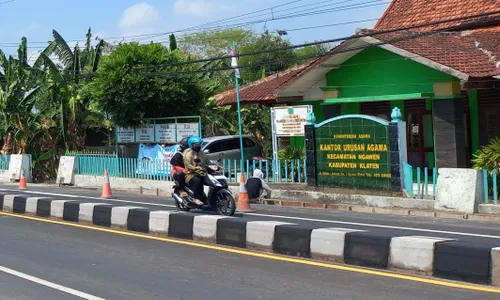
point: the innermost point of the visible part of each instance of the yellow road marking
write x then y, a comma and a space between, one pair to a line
272, 256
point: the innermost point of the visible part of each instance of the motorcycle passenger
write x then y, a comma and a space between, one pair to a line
178, 169
194, 162
256, 185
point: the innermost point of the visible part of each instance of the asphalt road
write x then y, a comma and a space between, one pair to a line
487, 233
15, 288
114, 266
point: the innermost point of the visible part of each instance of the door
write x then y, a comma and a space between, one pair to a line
489, 110
419, 134
467, 124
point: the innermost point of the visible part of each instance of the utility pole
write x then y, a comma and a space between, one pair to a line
234, 65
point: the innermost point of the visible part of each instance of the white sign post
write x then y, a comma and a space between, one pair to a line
17, 163
187, 129
165, 133
157, 133
145, 134
290, 120
125, 135
287, 121
67, 168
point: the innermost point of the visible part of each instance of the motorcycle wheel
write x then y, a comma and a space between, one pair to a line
226, 205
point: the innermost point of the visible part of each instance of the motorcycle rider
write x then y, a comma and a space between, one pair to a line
194, 162
178, 169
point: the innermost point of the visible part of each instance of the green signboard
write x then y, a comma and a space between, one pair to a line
353, 152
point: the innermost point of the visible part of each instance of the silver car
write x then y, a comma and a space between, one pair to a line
228, 147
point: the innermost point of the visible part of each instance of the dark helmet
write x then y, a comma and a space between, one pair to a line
184, 143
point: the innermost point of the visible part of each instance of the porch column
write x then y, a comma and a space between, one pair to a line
449, 133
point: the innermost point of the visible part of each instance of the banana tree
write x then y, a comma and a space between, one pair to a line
66, 79
19, 92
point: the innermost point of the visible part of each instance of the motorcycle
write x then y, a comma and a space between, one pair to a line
219, 196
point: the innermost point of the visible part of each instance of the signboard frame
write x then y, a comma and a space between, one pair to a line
153, 123
356, 151
274, 130
291, 110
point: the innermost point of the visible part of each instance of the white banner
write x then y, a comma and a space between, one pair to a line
290, 120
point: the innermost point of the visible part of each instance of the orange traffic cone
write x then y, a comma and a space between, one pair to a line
22, 181
106, 187
243, 200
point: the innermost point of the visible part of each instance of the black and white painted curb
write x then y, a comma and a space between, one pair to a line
439, 257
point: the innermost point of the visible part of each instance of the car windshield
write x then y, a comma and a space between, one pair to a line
203, 144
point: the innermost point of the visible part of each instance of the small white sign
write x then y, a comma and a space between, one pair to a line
17, 163
145, 134
165, 133
187, 129
290, 120
125, 135
66, 169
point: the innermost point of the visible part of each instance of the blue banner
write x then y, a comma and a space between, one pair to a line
155, 160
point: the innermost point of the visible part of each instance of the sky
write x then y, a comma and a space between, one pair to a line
143, 21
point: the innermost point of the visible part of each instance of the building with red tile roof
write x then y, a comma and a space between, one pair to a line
261, 91
475, 53
446, 81
405, 13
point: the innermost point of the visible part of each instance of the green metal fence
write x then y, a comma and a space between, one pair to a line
288, 171
281, 171
122, 167
490, 186
420, 184
4, 161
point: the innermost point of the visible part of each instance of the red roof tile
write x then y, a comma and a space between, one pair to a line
405, 13
476, 53
263, 90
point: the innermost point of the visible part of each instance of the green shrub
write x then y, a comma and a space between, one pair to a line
488, 158
290, 154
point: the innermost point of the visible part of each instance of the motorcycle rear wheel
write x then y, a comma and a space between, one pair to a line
226, 205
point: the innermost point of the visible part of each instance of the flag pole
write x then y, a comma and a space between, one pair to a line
234, 65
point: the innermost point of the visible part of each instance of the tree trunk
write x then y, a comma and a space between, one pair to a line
8, 146
77, 136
